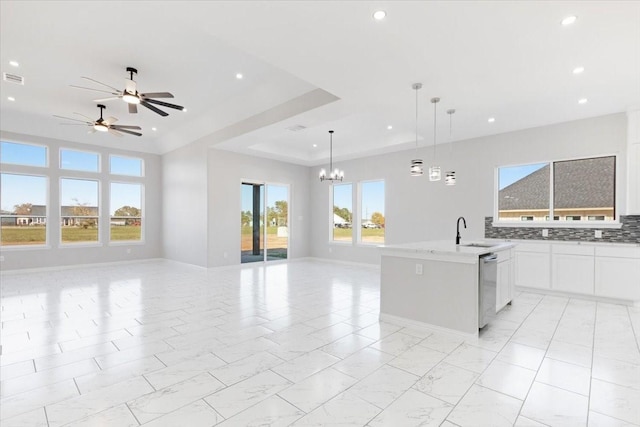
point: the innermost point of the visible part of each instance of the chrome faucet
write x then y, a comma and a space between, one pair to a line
464, 222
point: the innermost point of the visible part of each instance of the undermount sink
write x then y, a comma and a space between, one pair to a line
478, 245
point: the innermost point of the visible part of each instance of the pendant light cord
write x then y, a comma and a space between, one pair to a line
434, 129
330, 152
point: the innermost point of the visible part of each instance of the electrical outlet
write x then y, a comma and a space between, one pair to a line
545, 232
330, 250
598, 234
418, 269
128, 250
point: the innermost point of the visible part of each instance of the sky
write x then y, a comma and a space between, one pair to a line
274, 193
372, 197
16, 189
509, 175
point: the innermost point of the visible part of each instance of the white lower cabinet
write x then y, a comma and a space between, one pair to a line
617, 278
532, 269
504, 289
572, 273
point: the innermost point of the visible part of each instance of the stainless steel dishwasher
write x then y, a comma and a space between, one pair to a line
488, 277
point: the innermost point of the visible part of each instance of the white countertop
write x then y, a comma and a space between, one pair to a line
447, 247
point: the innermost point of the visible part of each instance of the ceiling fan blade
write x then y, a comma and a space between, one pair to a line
129, 132
96, 90
110, 120
157, 95
154, 109
165, 104
75, 120
115, 133
118, 127
100, 83
107, 99
133, 108
86, 117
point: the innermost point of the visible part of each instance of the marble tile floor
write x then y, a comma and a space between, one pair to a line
159, 343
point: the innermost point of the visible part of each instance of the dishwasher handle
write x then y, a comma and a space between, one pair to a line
489, 258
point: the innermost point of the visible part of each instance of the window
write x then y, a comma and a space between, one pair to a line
342, 212
23, 154
372, 212
526, 218
79, 210
570, 189
23, 199
129, 166
79, 161
126, 212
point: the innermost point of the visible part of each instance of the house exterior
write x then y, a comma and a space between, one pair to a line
583, 191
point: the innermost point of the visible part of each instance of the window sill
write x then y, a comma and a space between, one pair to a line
18, 248
340, 243
80, 245
558, 224
127, 243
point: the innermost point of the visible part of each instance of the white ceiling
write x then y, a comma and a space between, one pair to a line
323, 65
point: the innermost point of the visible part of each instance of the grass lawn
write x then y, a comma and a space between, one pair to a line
369, 235
37, 235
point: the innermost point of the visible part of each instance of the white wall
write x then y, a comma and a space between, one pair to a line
184, 205
227, 171
633, 144
55, 254
417, 209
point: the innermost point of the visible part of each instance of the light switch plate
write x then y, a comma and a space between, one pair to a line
419, 269
598, 234
545, 232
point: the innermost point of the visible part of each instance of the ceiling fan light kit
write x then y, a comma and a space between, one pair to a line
103, 125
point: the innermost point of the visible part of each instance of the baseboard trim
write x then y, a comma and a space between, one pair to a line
73, 266
553, 292
402, 321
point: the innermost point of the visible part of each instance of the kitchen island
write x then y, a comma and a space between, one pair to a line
436, 283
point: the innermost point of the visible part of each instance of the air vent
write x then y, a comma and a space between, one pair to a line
13, 78
296, 128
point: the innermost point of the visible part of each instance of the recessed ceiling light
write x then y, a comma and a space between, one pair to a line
583, 101
389, 127
14, 63
239, 76
569, 20
154, 129
379, 15
578, 70
315, 145
184, 109
11, 98
491, 119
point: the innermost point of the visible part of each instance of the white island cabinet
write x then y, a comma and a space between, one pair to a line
435, 284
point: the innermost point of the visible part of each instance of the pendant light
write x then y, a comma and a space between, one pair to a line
416, 164
334, 174
450, 176
434, 171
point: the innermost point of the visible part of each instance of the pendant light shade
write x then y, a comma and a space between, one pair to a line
334, 174
416, 168
434, 171
450, 176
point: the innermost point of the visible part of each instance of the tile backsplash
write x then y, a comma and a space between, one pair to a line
628, 233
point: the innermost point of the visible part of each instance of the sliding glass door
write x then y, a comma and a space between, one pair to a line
265, 222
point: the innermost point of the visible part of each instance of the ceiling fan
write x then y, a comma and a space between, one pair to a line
131, 96
103, 125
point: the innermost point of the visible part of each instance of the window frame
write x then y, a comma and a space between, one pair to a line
47, 235
142, 166
331, 223
359, 210
561, 223
47, 161
68, 170
86, 243
142, 215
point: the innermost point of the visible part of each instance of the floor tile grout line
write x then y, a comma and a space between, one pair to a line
635, 333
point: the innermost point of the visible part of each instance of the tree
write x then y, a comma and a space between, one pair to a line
128, 211
378, 219
343, 213
23, 209
282, 212
83, 209
246, 218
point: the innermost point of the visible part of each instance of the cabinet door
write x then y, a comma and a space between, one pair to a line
503, 291
618, 278
573, 273
533, 270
